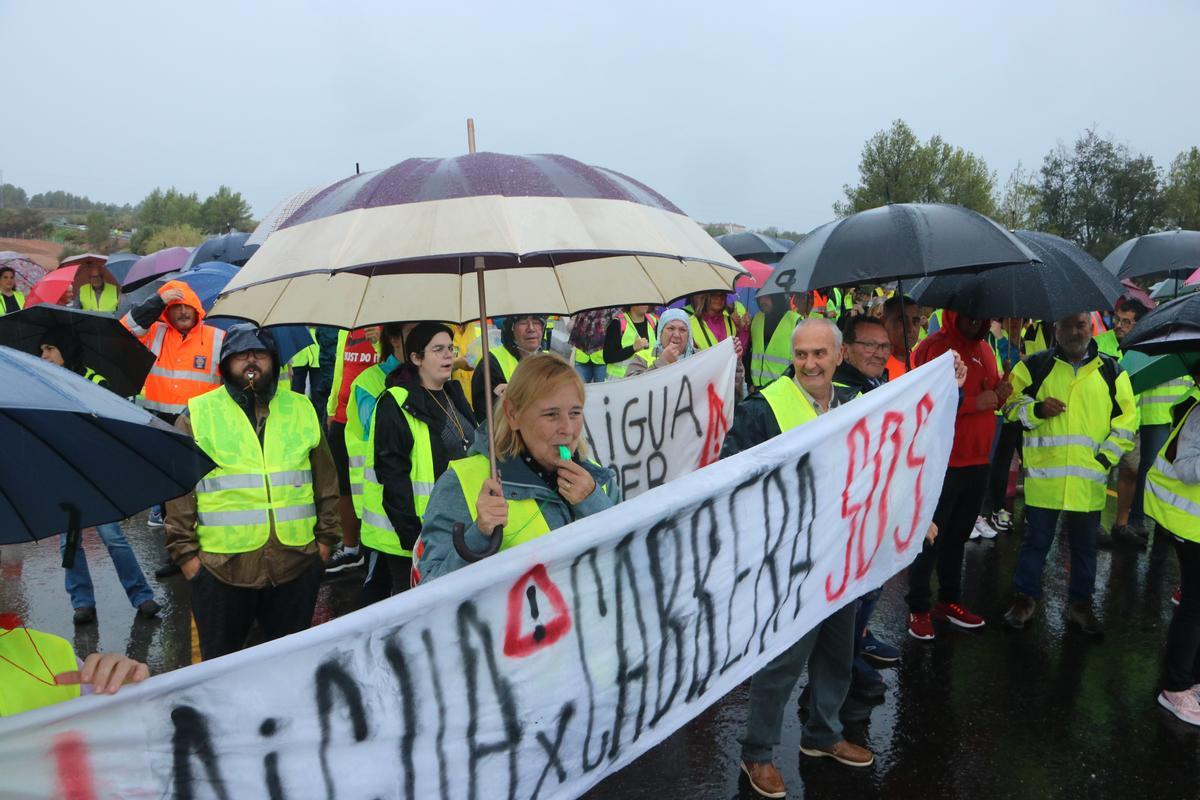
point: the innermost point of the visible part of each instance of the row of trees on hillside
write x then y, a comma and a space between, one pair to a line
164, 218
1096, 192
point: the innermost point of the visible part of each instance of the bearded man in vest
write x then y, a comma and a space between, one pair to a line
253, 536
97, 294
1077, 407
804, 392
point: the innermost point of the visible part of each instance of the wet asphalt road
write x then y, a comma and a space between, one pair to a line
1042, 713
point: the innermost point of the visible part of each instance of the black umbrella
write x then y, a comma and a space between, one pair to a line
76, 455
1067, 281
754, 246
1174, 254
108, 346
1173, 327
230, 248
896, 241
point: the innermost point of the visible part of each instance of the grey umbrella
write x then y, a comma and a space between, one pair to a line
1068, 280
1173, 327
1172, 287
896, 241
1173, 254
754, 246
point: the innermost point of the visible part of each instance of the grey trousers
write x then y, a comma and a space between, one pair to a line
828, 650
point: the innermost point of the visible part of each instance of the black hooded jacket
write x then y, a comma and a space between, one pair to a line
394, 444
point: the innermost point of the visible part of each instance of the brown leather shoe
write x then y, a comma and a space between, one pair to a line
1021, 611
1081, 616
843, 752
764, 778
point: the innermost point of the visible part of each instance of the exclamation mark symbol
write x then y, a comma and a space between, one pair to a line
539, 631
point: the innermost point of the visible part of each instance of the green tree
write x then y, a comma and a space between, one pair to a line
897, 167
1099, 193
1017, 207
22, 222
225, 211
1183, 191
98, 230
170, 236
162, 209
13, 196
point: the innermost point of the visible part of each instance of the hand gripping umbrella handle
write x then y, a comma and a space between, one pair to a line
469, 555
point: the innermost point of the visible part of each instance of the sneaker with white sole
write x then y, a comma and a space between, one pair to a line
1185, 705
1001, 520
983, 530
341, 560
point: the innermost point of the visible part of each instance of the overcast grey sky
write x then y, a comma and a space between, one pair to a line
741, 111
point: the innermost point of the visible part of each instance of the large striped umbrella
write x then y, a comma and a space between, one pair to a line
556, 236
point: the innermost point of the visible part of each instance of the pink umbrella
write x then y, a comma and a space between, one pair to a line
757, 277
149, 267
1194, 278
1135, 292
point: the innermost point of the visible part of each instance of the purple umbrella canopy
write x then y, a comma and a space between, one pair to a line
555, 236
147, 268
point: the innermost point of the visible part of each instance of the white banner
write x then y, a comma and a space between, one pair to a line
664, 423
545, 668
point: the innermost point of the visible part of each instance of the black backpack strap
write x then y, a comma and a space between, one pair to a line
1039, 365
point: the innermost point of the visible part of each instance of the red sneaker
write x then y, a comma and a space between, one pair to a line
957, 615
920, 626
1177, 595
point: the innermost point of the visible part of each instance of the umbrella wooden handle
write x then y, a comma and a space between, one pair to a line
469, 555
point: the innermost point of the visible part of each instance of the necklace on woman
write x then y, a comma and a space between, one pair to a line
451, 415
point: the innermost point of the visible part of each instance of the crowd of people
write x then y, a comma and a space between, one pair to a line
368, 454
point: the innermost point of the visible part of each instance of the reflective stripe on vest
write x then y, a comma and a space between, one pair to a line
789, 405
255, 483
378, 533
24, 654
107, 302
1156, 403
372, 380
769, 361
525, 520
185, 368
629, 335
1169, 501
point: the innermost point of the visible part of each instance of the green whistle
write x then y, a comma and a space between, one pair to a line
564, 452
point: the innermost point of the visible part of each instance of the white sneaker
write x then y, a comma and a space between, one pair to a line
983, 530
1184, 705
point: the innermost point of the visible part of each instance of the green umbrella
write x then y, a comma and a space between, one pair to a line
1146, 372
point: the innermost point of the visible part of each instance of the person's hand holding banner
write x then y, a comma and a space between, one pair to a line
106, 672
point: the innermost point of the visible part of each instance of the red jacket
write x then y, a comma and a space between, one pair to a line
974, 430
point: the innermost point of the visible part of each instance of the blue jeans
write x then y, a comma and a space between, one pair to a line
592, 373
1153, 439
79, 579
1039, 535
